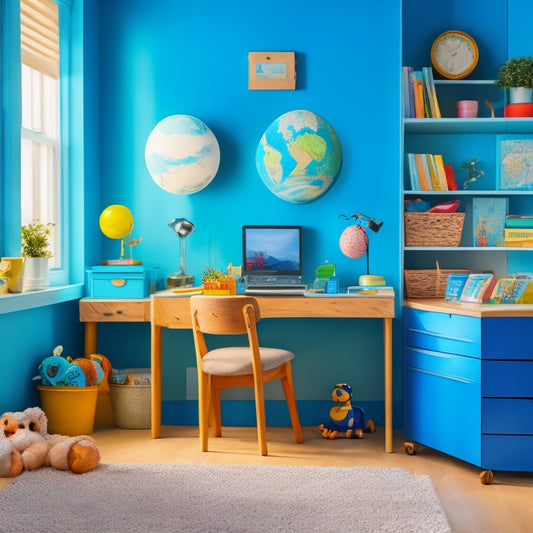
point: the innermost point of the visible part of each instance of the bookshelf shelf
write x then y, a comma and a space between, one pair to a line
468, 125
468, 192
466, 249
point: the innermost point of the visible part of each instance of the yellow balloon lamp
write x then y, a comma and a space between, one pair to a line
116, 222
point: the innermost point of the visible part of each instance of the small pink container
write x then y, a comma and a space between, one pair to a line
467, 108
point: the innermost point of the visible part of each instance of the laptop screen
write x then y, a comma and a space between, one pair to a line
272, 251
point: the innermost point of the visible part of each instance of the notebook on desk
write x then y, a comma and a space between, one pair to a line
272, 260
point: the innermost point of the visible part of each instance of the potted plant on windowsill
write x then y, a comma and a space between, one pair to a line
35, 242
516, 74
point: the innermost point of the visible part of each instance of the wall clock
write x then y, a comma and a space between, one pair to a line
454, 54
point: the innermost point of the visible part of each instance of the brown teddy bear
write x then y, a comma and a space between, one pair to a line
27, 433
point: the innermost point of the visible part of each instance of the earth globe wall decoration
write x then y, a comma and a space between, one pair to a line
182, 154
299, 157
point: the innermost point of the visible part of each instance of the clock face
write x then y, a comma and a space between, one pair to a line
454, 54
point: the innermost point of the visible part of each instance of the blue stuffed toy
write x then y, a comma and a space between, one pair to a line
345, 420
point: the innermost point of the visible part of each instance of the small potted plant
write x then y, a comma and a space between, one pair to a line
516, 74
35, 242
217, 282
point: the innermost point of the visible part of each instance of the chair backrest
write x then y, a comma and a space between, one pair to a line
224, 315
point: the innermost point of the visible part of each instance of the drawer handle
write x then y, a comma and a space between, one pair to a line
445, 376
440, 335
118, 282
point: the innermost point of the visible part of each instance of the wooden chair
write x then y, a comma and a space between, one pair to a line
243, 366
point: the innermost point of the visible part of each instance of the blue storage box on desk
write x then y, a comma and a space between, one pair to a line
121, 281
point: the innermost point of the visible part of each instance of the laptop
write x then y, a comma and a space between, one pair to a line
272, 259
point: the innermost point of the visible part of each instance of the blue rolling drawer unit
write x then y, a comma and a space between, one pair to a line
468, 386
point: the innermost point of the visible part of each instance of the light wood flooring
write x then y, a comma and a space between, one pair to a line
504, 507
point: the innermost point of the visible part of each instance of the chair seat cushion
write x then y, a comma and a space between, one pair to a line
237, 361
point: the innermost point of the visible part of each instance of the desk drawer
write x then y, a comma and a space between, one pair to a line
442, 332
507, 338
507, 416
508, 379
507, 452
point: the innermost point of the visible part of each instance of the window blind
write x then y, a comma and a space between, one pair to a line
39, 36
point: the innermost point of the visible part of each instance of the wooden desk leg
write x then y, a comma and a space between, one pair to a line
387, 342
156, 380
91, 332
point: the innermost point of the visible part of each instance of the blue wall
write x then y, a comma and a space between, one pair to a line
167, 57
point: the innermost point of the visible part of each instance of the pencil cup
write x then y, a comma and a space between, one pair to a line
467, 108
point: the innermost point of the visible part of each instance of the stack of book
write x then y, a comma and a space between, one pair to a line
427, 172
519, 231
516, 289
418, 93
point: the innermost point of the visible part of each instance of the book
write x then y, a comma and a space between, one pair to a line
518, 221
488, 220
513, 290
441, 173
478, 287
418, 89
450, 178
423, 174
519, 237
455, 286
503, 291
429, 84
435, 182
413, 172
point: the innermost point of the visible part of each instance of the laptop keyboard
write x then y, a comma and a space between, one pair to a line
277, 290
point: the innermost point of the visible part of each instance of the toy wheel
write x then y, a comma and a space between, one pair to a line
486, 477
410, 448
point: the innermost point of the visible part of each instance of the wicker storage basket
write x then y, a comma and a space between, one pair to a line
131, 405
428, 283
433, 229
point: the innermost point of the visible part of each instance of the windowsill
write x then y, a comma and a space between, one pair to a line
9, 303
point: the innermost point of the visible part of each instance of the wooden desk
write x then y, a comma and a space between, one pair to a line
173, 312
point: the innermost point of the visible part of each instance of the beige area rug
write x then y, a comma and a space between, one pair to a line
130, 497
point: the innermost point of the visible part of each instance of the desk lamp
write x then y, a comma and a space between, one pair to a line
181, 227
354, 243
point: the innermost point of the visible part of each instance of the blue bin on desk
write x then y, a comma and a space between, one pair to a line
121, 281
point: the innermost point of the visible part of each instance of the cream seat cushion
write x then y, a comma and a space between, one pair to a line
237, 361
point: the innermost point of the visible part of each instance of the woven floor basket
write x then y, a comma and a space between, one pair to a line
428, 283
131, 405
433, 229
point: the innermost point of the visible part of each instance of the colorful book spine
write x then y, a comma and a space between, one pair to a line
429, 84
441, 173
435, 182
450, 178
519, 237
413, 172
423, 173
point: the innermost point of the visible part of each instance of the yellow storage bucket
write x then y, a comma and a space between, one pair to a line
70, 410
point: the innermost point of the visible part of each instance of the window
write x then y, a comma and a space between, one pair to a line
40, 170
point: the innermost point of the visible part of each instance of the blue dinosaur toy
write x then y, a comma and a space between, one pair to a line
345, 420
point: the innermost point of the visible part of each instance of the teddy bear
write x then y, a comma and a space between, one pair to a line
27, 432
10, 458
345, 420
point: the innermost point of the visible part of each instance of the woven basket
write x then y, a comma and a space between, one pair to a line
428, 283
131, 405
433, 229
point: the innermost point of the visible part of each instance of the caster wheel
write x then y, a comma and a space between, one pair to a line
410, 448
486, 477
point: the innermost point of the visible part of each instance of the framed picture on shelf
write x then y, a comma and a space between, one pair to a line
271, 71
515, 156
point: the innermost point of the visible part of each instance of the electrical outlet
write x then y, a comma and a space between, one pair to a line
191, 383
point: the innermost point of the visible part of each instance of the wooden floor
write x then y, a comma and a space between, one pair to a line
506, 506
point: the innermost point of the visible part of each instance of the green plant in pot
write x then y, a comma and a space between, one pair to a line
35, 243
517, 73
